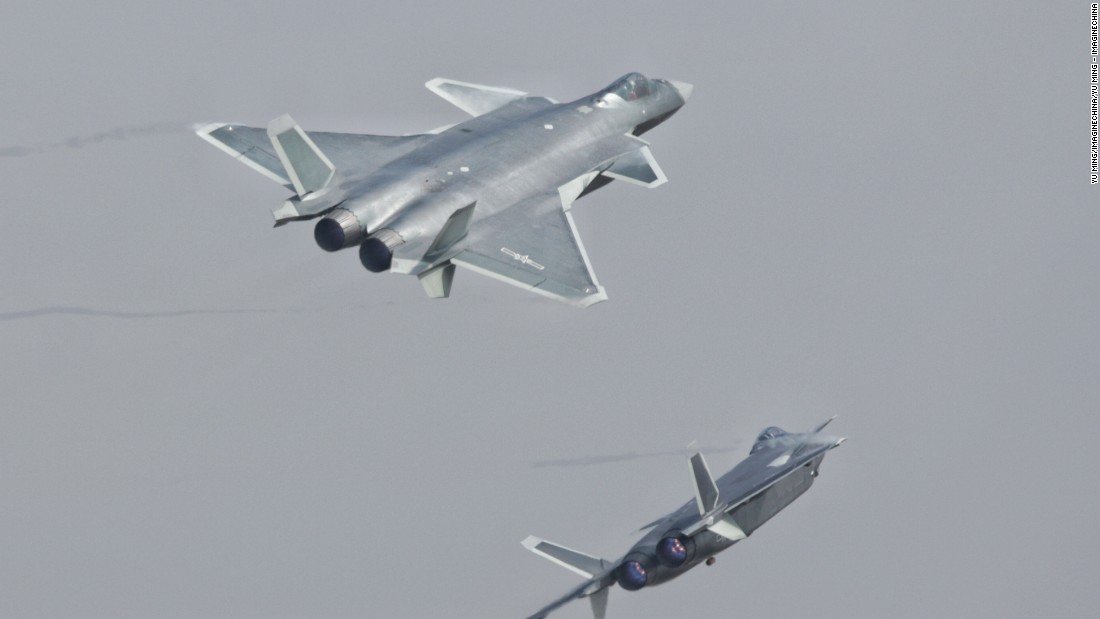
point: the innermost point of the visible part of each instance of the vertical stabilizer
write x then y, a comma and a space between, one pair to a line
706, 491
453, 231
599, 603
309, 169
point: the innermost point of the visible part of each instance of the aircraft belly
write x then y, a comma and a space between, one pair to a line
749, 495
503, 170
767, 504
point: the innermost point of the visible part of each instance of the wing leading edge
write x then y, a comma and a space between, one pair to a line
534, 245
474, 99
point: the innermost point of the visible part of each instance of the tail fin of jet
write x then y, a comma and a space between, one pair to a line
706, 491
599, 603
706, 499
597, 571
309, 169
572, 560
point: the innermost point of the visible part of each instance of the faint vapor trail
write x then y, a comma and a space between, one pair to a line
623, 457
117, 134
86, 311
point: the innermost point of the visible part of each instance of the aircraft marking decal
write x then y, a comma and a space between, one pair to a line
522, 258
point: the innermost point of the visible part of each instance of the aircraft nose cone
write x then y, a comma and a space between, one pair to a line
683, 88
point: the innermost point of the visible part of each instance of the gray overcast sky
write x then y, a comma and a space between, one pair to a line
877, 210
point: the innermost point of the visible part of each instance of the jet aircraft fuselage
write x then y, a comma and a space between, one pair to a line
480, 193
486, 160
667, 552
780, 467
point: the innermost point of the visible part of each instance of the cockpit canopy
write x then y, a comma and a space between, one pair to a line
768, 434
629, 87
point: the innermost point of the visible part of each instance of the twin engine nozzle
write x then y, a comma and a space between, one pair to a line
633, 573
673, 551
340, 229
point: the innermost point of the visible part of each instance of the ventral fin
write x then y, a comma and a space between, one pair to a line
437, 280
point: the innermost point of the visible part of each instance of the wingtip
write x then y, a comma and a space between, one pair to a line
597, 297
203, 129
530, 542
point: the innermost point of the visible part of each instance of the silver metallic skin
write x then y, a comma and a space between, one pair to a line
519, 163
780, 467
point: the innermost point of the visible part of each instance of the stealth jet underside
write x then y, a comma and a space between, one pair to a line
491, 194
780, 467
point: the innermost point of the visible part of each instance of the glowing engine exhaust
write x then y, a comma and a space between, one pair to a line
675, 550
634, 573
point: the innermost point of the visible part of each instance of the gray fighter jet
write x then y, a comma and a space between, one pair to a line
780, 467
491, 194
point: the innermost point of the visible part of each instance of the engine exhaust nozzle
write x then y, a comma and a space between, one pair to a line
376, 253
338, 229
